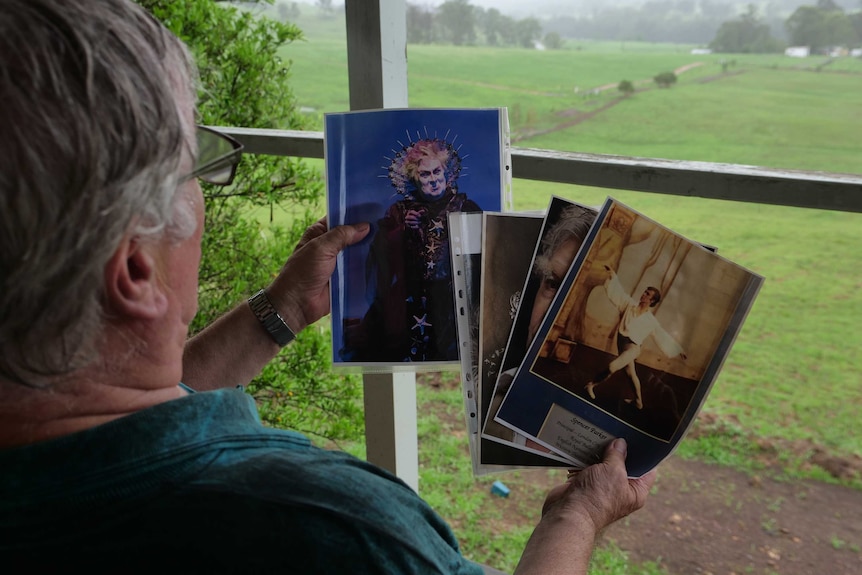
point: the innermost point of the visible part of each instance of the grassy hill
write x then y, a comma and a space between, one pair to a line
766, 110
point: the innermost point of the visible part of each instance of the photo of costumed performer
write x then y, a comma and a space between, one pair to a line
412, 314
637, 323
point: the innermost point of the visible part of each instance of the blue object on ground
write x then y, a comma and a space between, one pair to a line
499, 488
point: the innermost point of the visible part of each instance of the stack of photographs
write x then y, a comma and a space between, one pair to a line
618, 328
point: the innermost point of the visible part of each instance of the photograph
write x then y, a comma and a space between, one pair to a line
509, 243
632, 345
557, 239
404, 171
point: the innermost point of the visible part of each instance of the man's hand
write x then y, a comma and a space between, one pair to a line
300, 292
576, 511
603, 490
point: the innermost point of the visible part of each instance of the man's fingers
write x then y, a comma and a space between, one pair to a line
348, 235
339, 237
316, 229
615, 452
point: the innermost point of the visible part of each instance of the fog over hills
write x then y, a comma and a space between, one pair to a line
674, 21
679, 21
549, 8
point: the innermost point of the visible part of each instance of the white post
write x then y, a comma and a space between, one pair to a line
390, 424
377, 73
376, 53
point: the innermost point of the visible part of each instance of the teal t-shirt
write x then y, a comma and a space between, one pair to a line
199, 484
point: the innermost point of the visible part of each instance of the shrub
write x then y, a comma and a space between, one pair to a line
626, 87
665, 79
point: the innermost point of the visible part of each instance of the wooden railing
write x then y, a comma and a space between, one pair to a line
842, 192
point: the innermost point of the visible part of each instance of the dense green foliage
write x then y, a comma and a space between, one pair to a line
244, 82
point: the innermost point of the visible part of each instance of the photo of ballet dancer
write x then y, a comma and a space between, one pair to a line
640, 324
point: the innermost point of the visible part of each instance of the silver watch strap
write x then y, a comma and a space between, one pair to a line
269, 319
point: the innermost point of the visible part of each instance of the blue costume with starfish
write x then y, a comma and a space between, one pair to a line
412, 314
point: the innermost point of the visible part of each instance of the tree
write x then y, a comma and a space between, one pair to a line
491, 23
856, 23
745, 34
508, 31
288, 11
420, 24
457, 22
245, 83
839, 29
552, 41
626, 87
805, 27
528, 30
665, 79
828, 6
821, 26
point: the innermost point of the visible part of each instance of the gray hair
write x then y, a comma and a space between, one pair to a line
97, 100
574, 222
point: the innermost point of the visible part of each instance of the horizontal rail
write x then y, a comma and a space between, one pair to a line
737, 182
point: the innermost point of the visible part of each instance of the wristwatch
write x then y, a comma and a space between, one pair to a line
269, 319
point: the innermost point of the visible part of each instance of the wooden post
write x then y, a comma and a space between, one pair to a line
377, 74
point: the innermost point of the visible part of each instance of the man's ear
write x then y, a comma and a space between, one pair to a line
132, 284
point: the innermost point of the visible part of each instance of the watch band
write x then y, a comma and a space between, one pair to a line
269, 319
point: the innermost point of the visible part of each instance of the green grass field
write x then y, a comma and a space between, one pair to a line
765, 117
767, 110
794, 372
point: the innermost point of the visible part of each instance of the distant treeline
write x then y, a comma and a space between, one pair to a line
823, 28
768, 27
460, 23
699, 21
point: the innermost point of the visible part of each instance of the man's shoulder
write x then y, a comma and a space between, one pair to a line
249, 502
327, 511
257, 467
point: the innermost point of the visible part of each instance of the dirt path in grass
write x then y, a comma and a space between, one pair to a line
574, 116
712, 520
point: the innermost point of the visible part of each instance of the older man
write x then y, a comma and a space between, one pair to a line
108, 458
